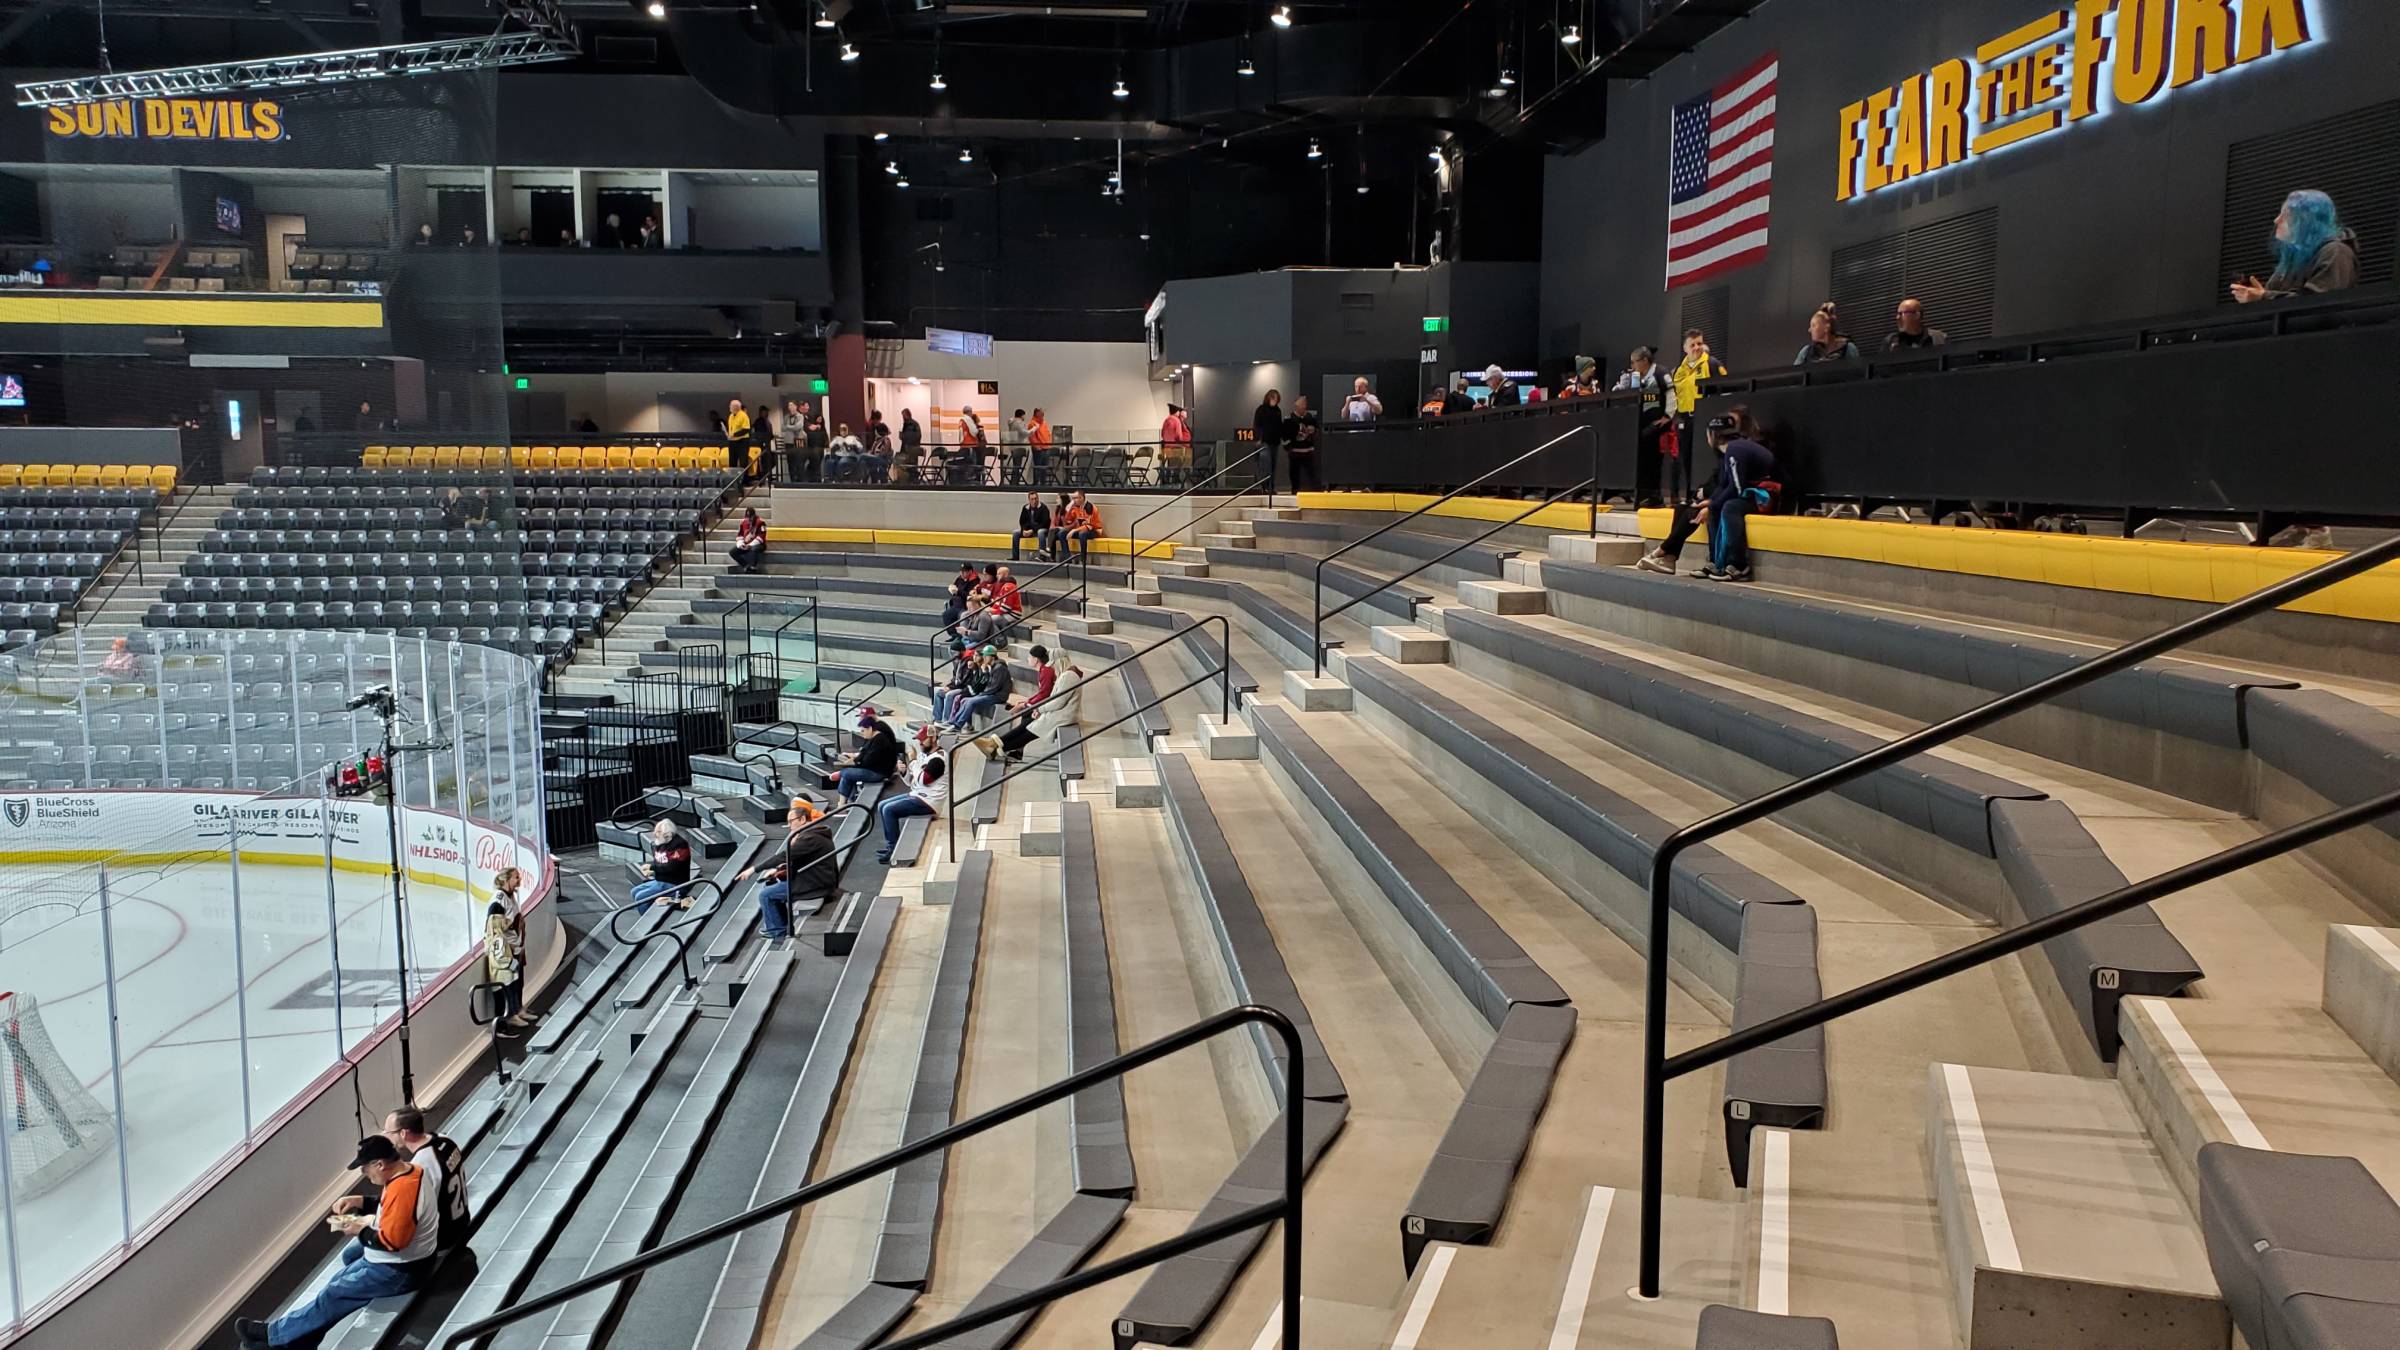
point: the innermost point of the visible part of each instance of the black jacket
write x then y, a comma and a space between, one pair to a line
811, 850
881, 753
1266, 425
1034, 517
1744, 465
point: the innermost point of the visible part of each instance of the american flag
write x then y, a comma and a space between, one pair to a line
1722, 177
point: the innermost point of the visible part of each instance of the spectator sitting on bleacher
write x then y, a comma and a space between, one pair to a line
424, 237
1082, 525
120, 661
467, 237
929, 788
879, 449
1057, 705
480, 511
1744, 466
669, 869
807, 842
1909, 331
1007, 599
388, 1255
954, 608
445, 1164
987, 694
749, 542
874, 762
966, 678
1825, 339
2314, 255
1033, 522
455, 511
844, 451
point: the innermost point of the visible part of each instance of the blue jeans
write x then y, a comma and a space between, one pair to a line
849, 781
1083, 541
358, 1283
1729, 534
963, 712
893, 812
775, 909
945, 703
1040, 538
646, 891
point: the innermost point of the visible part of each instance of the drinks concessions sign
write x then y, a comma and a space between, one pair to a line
2064, 66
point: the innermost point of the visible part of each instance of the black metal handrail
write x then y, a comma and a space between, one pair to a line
1222, 673
792, 869
1080, 593
1317, 579
1287, 1209
1658, 1069
1136, 550
673, 927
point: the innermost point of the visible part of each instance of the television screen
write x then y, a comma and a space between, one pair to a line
229, 215
12, 392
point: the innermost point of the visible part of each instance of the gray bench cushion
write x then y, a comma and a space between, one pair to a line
2177, 697
1180, 1294
1485, 962
1924, 793
1072, 1235
1781, 1084
2051, 863
1103, 1155
868, 1317
2329, 1302
1202, 641
2344, 751
1247, 943
1723, 1328
1418, 544
2254, 1202
913, 1210
1465, 1186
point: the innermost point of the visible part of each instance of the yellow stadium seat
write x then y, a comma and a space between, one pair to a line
11, 474
371, 457
445, 456
162, 477
645, 457
84, 475
115, 475
377, 450
570, 456
56, 475
545, 457
420, 456
620, 457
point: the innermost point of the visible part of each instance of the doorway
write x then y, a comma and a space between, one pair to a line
550, 214
630, 207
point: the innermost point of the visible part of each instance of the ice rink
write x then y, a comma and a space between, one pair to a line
193, 988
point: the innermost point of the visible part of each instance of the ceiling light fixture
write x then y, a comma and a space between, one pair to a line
938, 84
849, 52
1246, 68
1362, 189
1315, 151
1508, 78
824, 17
882, 136
658, 9
1282, 17
1120, 91
966, 155
1435, 154
1572, 37
891, 166
901, 181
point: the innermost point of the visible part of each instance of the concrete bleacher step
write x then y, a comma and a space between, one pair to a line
1607, 550
508, 1260
2061, 1225
1241, 528
1138, 595
1411, 646
1270, 513
2362, 989
642, 1217
1208, 541
1316, 693
1504, 597
2201, 1071
1522, 571
1179, 567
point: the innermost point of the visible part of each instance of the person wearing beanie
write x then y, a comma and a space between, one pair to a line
872, 764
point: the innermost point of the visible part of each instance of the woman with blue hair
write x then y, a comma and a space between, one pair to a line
2314, 255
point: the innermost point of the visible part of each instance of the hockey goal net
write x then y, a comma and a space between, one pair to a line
54, 1125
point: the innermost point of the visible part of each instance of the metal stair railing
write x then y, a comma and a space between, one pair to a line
1136, 550
1080, 593
1658, 1069
1316, 640
1286, 1208
1222, 672
676, 927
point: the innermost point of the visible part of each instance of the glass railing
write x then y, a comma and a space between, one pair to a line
199, 915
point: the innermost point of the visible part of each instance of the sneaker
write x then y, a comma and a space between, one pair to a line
884, 858
1732, 574
1655, 561
1709, 572
249, 1331
989, 745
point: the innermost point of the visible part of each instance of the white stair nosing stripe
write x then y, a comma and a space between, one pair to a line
2238, 1124
1565, 1332
1983, 1179
1775, 1226
2374, 940
1420, 1308
1271, 1334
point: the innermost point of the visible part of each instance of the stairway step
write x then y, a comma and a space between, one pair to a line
2362, 989
1238, 528
1504, 597
1410, 646
2061, 1224
1226, 541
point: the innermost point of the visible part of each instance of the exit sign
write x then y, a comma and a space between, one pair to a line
523, 383
1437, 323
819, 387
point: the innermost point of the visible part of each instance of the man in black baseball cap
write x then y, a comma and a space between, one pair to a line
389, 1253
1745, 470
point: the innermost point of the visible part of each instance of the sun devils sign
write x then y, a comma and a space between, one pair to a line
2064, 66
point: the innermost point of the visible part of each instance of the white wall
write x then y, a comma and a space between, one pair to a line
1102, 389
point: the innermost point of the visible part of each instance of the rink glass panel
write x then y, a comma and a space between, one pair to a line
197, 926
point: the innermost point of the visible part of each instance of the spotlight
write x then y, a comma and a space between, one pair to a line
1315, 151
1572, 37
1246, 68
1435, 154
1508, 78
1120, 91
849, 53
1282, 17
1145, 236
824, 17
938, 84
891, 166
658, 9
1362, 189
901, 181
882, 136
965, 155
